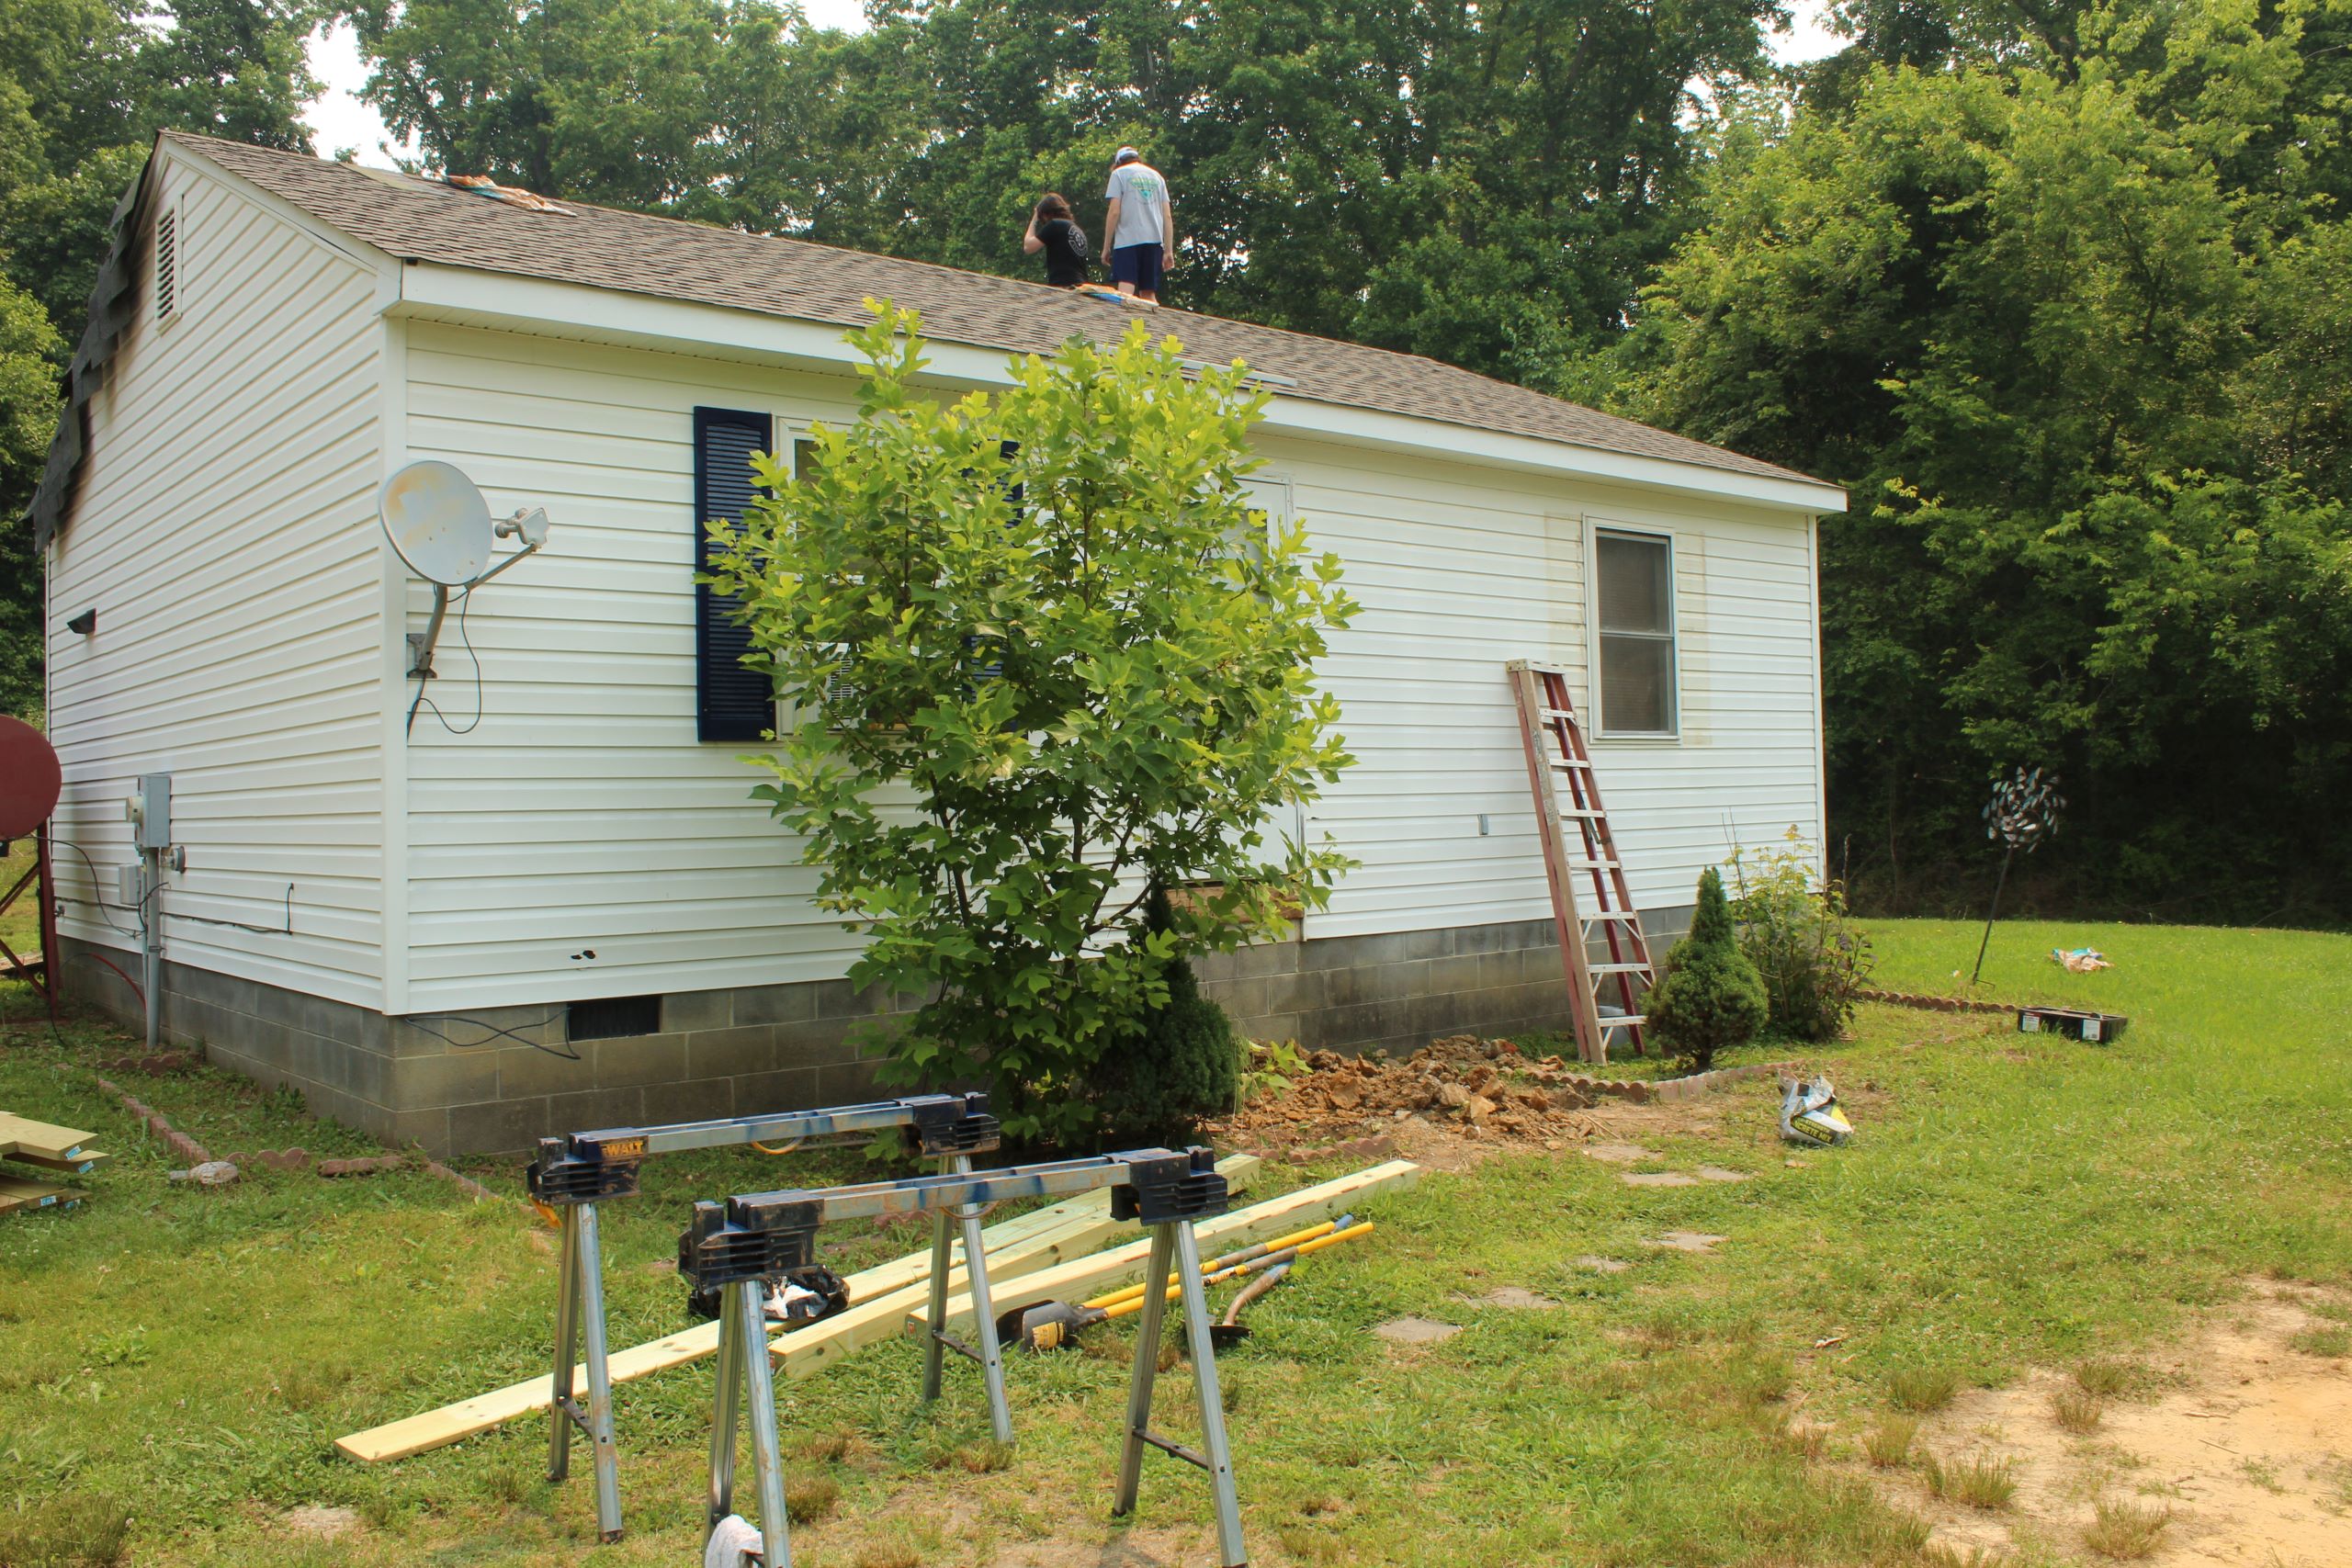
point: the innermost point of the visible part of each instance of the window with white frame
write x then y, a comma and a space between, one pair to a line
1634, 600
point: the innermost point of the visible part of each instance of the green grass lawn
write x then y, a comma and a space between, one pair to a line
188, 1356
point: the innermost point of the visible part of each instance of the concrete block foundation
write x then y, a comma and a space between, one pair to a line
496, 1079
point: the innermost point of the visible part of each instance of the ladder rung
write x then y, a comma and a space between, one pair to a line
1565, 764
1557, 713
1632, 1021
1582, 811
1592, 865
1616, 968
1609, 915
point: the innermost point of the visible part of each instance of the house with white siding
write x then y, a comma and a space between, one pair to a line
553, 902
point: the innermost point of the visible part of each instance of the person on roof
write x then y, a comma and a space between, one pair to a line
1052, 231
1139, 229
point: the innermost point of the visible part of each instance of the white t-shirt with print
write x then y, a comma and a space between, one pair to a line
1142, 193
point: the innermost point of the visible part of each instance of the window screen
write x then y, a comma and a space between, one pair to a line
733, 701
1635, 582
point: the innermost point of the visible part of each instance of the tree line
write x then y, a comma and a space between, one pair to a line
2061, 292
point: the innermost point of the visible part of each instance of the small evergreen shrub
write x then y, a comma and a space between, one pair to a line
1793, 928
1710, 997
1179, 1065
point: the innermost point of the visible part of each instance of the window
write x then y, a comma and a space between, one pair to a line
1633, 576
167, 263
733, 701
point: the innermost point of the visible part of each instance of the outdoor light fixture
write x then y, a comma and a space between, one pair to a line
83, 624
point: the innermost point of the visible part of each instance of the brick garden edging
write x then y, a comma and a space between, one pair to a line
1935, 1004
187, 1149
1642, 1091
297, 1158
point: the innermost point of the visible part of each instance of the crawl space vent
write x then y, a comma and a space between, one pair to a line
609, 1018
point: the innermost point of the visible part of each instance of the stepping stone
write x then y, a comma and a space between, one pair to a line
1717, 1173
1689, 1241
1511, 1296
1658, 1178
321, 1522
1600, 1265
1618, 1153
1415, 1331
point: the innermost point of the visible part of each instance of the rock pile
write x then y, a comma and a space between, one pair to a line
1480, 1087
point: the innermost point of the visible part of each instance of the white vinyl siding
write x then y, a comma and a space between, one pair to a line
1460, 567
581, 817
223, 530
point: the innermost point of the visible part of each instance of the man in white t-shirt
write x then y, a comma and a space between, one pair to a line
1139, 231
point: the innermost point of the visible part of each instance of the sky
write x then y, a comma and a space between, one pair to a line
339, 119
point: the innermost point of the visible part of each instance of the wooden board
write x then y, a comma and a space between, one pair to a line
88, 1159
1082, 1277
1043, 1239
19, 1135
16, 1193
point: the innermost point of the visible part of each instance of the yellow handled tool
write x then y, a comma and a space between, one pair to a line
1054, 1325
1213, 1265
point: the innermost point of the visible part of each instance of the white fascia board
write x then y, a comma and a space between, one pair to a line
504, 301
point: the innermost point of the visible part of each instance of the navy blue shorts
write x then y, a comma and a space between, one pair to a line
1138, 264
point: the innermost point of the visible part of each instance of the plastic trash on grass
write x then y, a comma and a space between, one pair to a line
734, 1543
1809, 1114
2080, 960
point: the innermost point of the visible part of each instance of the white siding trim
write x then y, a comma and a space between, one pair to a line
393, 599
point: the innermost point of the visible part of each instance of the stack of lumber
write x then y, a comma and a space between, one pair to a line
1054, 1252
37, 1145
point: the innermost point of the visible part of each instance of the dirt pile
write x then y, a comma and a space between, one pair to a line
1476, 1088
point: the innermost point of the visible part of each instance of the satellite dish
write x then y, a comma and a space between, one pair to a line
29, 778
438, 522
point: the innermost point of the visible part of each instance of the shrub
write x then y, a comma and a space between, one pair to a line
1039, 650
1710, 998
1793, 928
1179, 1065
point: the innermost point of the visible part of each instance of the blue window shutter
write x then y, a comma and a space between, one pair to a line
733, 700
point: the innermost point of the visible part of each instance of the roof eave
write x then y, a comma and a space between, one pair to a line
510, 302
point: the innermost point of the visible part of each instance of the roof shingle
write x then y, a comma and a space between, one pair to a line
605, 247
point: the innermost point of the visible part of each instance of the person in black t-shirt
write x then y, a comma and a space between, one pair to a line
1054, 231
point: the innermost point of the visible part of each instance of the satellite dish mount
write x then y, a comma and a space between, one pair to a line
441, 528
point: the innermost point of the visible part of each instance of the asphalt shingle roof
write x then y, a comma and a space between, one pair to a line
669, 258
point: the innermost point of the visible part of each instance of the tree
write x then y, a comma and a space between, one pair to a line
85, 85
2064, 330
28, 404
1710, 998
1487, 184
1044, 657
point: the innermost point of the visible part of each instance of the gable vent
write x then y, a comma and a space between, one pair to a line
167, 263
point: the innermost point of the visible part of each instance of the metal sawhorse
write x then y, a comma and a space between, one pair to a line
732, 1249
573, 1173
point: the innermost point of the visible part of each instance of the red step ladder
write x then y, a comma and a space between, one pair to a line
1560, 775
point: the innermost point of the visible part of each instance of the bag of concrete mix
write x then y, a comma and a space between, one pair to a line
1809, 1114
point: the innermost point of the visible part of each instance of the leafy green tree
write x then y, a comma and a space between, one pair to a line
1486, 185
2072, 337
1710, 998
1044, 658
28, 349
